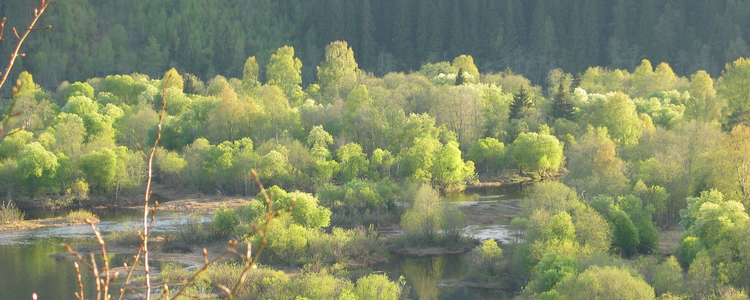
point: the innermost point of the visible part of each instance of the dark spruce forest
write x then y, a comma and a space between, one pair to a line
206, 38
384, 133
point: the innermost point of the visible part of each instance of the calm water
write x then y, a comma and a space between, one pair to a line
26, 266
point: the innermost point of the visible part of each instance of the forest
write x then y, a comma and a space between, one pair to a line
206, 38
351, 136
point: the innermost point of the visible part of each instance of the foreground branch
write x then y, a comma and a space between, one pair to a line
16, 53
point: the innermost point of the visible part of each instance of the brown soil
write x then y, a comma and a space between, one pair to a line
34, 224
670, 240
181, 200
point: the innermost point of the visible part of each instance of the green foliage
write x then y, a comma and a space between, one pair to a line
488, 153
733, 87
466, 63
562, 107
99, 169
9, 213
359, 201
551, 269
625, 236
487, 261
668, 277
305, 212
540, 154
81, 106
285, 71
175, 80
79, 89
339, 71
703, 103
551, 196
378, 286
352, 162
617, 112
428, 222
449, 171
250, 73
25, 83
12, 146
605, 283
521, 104
225, 219
80, 216
37, 162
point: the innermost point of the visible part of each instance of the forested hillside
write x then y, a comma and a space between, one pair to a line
206, 38
374, 131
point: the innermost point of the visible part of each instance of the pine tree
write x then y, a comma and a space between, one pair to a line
521, 102
561, 105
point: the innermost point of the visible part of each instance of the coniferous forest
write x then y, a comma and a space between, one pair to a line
630, 117
206, 38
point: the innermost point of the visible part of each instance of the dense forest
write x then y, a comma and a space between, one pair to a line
638, 151
206, 38
347, 134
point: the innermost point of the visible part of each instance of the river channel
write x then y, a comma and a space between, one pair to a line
26, 266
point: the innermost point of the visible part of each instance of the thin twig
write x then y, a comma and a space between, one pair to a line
148, 190
16, 53
108, 280
251, 261
79, 295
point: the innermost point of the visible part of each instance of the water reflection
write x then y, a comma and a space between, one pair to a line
26, 266
425, 273
28, 269
434, 277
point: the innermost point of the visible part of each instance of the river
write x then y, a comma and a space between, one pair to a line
26, 266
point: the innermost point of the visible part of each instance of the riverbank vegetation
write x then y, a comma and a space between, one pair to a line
635, 152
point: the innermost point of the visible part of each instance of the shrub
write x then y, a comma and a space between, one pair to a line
80, 216
342, 246
487, 261
378, 287
128, 237
226, 274
429, 222
10, 213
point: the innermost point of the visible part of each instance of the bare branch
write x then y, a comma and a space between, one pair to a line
37, 13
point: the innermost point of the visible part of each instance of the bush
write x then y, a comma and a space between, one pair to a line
80, 216
127, 237
429, 222
192, 230
487, 261
342, 246
359, 202
226, 274
604, 283
10, 213
378, 287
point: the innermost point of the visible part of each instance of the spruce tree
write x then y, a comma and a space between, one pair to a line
561, 105
460, 77
521, 102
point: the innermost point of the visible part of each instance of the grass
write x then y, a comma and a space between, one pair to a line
80, 216
9, 213
128, 236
